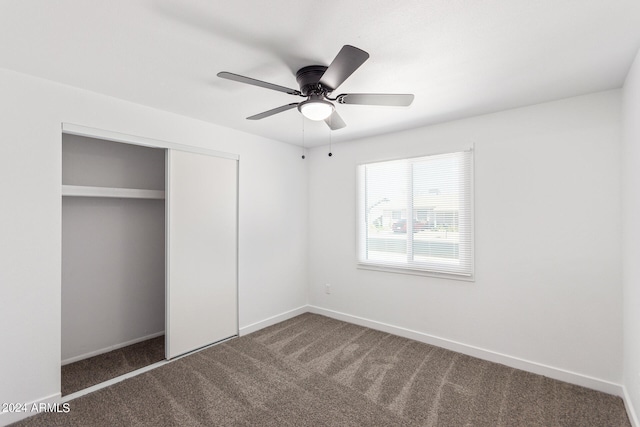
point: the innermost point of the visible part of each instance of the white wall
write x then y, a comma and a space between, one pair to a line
547, 230
272, 206
631, 235
113, 282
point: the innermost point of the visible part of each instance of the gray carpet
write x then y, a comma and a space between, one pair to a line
316, 371
94, 370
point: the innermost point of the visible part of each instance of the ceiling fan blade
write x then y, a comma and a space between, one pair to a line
260, 83
388, 99
272, 112
344, 64
334, 121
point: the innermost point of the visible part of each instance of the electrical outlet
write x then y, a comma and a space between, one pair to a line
327, 288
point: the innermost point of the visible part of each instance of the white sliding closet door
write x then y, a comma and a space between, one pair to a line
202, 305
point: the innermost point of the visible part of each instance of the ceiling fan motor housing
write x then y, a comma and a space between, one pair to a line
309, 80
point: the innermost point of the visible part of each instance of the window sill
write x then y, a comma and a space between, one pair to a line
400, 270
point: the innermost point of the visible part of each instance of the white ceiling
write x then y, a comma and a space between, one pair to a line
459, 57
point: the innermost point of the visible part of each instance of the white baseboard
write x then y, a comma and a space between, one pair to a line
273, 320
29, 409
480, 353
631, 412
110, 348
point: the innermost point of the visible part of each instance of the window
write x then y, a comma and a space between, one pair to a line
417, 214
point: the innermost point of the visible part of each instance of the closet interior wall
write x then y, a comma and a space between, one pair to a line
113, 245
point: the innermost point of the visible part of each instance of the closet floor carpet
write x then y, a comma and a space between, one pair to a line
94, 370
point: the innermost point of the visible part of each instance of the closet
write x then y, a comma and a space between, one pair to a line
149, 244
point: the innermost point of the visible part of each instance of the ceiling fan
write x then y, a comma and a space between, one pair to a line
317, 82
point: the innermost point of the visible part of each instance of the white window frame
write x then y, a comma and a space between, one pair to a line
412, 269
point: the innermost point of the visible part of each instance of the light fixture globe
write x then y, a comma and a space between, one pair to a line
316, 109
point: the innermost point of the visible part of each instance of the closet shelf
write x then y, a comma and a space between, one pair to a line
125, 193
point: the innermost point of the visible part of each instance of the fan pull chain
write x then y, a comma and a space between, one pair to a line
302, 138
330, 147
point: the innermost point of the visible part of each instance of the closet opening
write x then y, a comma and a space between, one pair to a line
113, 260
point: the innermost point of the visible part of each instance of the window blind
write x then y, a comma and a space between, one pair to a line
417, 214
